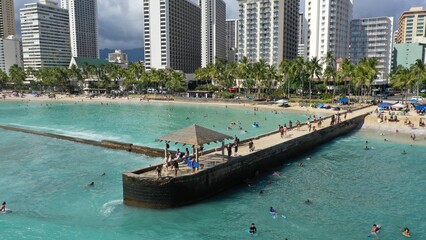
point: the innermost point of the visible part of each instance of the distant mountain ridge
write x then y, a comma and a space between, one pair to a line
134, 55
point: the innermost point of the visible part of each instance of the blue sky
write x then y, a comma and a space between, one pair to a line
120, 21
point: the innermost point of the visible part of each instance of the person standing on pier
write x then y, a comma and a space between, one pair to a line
236, 142
281, 130
176, 166
158, 169
251, 145
229, 149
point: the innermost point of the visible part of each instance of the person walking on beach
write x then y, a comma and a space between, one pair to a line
236, 147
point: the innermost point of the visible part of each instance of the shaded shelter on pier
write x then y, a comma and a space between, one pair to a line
197, 136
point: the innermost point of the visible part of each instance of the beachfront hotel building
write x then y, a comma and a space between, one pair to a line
7, 18
373, 37
45, 35
300, 38
172, 31
83, 22
10, 53
213, 31
232, 40
328, 28
268, 30
411, 26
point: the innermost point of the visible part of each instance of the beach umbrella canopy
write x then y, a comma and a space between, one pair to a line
385, 104
420, 107
343, 100
398, 105
413, 101
194, 135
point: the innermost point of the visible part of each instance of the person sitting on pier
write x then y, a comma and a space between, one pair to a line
251, 146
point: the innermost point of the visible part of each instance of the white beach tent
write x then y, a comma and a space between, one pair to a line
398, 105
281, 101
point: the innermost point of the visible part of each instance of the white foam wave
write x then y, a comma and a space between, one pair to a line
79, 133
109, 207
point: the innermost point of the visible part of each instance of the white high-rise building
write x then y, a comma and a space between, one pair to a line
300, 36
83, 22
328, 28
172, 31
213, 31
10, 53
7, 18
268, 30
45, 35
373, 37
232, 40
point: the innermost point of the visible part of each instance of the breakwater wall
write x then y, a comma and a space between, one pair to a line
167, 192
152, 152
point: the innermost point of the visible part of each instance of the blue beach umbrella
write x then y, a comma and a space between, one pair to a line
384, 105
413, 101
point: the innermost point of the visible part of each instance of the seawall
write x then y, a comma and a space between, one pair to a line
167, 192
152, 152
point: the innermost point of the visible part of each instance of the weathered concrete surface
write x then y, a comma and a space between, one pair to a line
152, 152
144, 189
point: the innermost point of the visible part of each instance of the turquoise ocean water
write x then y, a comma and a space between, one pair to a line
350, 188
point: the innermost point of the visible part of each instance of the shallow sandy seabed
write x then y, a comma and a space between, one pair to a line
385, 130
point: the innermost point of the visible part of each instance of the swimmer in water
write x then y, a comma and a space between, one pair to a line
301, 164
404, 152
103, 174
272, 211
308, 201
276, 174
261, 192
3, 207
92, 184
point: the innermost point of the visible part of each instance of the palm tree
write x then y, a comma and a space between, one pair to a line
418, 69
75, 73
315, 69
284, 71
270, 77
17, 76
330, 70
230, 74
3, 78
403, 78
244, 71
259, 74
347, 70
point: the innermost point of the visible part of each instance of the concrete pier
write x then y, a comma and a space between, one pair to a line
144, 188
